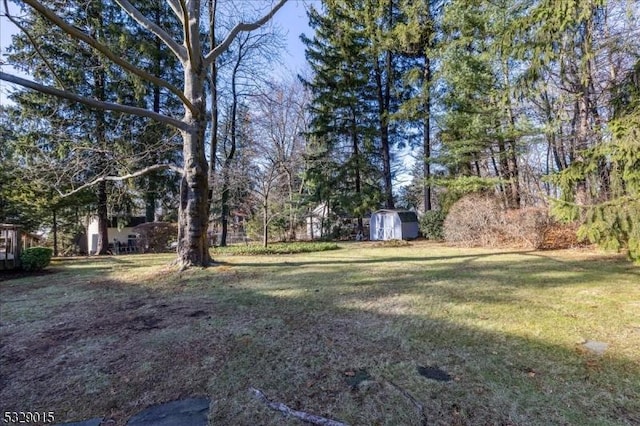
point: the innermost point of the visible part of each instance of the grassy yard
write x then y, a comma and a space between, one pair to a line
343, 334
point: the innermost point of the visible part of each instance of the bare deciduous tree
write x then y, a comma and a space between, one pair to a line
190, 48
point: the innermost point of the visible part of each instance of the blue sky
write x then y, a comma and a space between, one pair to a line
292, 18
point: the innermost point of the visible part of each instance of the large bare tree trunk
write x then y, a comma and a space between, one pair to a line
193, 215
103, 235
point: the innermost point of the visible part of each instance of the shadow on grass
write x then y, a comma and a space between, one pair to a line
532, 270
297, 333
594, 262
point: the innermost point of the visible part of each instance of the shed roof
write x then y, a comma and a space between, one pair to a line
405, 216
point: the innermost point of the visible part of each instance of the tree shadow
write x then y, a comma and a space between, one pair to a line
298, 329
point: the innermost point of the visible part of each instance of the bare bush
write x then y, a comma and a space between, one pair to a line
156, 237
562, 236
471, 221
479, 221
524, 228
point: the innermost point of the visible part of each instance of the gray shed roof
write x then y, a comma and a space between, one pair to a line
406, 216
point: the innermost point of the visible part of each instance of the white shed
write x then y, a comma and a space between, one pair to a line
393, 225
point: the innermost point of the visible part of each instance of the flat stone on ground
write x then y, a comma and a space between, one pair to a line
596, 347
434, 373
186, 412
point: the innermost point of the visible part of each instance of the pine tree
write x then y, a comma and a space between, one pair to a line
612, 219
481, 130
342, 135
416, 40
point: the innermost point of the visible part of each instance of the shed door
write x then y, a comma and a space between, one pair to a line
390, 226
385, 227
380, 226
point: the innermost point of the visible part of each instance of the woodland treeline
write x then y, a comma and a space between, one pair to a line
534, 101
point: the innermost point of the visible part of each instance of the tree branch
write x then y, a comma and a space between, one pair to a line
78, 34
34, 43
155, 29
187, 32
176, 9
121, 178
306, 417
93, 103
215, 52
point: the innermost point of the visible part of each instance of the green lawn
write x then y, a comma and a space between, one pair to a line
337, 333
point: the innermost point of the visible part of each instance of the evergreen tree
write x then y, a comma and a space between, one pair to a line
339, 166
481, 129
86, 144
416, 40
612, 219
158, 141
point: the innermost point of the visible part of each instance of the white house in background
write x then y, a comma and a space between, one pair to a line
393, 225
316, 221
122, 238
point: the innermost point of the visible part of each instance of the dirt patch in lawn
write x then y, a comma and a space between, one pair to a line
103, 351
14, 274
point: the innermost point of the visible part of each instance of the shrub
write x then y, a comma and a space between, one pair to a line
562, 236
432, 225
35, 258
156, 237
471, 221
277, 248
479, 220
525, 228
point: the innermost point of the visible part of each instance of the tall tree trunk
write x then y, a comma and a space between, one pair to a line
224, 217
584, 104
383, 92
151, 187
149, 201
292, 207
193, 214
511, 160
55, 232
101, 141
103, 234
213, 140
426, 134
265, 222
356, 158
230, 154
